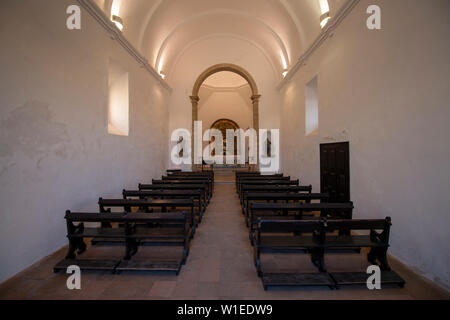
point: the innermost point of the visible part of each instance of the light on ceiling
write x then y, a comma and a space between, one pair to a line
117, 21
285, 72
324, 19
162, 74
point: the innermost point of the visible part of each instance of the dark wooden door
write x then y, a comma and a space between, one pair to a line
335, 171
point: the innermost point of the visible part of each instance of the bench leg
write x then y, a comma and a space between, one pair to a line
81, 246
130, 248
75, 244
379, 254
317, 258
257, 259
71, 251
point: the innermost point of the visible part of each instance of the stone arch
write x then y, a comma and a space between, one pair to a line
231, 68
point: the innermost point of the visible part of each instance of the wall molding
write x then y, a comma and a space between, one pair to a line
326, 32
117, 35
224, 89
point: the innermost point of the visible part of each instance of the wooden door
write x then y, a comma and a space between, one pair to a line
335, 171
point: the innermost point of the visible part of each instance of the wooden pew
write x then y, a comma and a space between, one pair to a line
267, 182
296, 211
239, 173
272, 189
317, 237
145, 205
197, 195
257, 176
173, 170
208, 173
186, 182
196, 186
279, 197
200, 179
255, 179
133, 236
306, 240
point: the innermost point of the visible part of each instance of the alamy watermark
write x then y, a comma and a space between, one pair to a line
73, 22
374, 280
74, 280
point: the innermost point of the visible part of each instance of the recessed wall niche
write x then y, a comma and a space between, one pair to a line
118, 99
311, 108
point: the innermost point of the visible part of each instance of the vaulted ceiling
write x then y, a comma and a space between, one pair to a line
162, 30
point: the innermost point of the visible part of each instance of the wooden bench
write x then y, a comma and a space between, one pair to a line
282, 181
264, 182
196, 186
296, 211
317, 237
132, 237
197, 195
256, 179
272, 189
241, 173
200, 179
208, 173
145, 205
256, 176
280, 197
186, 182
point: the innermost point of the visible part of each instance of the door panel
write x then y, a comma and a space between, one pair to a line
335, 171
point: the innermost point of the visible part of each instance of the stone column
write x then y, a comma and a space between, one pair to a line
255, 103
194, 101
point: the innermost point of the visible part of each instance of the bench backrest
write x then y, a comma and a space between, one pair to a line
269, 182
145, 202
178, 181
362, 225
275, 188
334, 210
325, 227
285, 196
168, 186
126, 217
193, 173
182, 177
283, 226
161, 193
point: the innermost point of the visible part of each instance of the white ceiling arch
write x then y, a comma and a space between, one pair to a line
232, 21
223, 35
285, 28
271, 17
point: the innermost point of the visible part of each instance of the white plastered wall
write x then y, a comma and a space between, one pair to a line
387, 93
225, 103
55, 151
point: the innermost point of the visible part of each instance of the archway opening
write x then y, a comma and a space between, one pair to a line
225, 92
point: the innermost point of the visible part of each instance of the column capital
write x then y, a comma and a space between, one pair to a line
255, 98
194, 99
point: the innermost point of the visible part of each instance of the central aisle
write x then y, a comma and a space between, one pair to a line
220, 260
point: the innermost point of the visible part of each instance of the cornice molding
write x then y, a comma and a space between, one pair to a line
333, 23
117, 35
221, 89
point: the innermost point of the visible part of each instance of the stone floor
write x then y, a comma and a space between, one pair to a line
219, 266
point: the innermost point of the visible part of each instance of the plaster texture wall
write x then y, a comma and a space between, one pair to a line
386, 92
225, 103
55, 150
